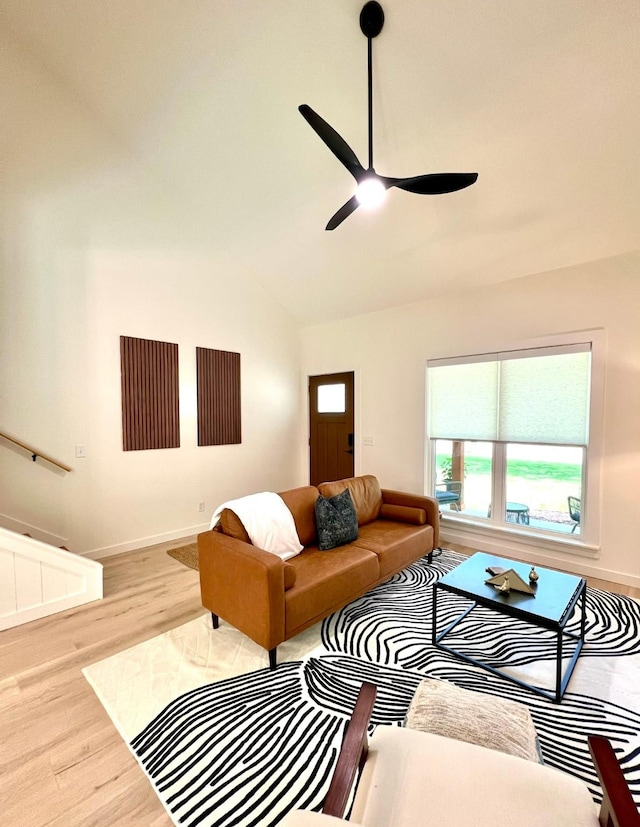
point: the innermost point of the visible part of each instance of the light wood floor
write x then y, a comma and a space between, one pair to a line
62, 762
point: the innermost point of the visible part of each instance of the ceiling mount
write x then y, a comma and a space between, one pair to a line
370, 184
371, 19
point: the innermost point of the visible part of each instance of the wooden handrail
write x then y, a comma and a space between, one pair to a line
35, 454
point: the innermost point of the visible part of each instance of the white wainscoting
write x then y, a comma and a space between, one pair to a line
37, 579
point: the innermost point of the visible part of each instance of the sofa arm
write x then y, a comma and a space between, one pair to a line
428, 504
244, 585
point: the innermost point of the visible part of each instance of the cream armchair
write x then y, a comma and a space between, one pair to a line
417, 778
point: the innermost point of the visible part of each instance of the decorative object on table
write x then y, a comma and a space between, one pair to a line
505, 586
493, 570
371, 186
533, 576
508, 581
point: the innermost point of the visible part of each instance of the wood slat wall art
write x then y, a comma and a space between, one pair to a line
150, 394
219, 414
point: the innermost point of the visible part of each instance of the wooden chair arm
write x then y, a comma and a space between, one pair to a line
618, 808
353, 753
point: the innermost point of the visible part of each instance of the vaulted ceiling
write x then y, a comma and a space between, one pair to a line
541, 98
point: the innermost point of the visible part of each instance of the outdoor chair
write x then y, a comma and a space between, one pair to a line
449, 493
574, 511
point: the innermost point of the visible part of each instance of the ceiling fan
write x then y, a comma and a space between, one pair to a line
371, 186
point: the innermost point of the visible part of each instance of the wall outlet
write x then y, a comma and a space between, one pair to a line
367, 440
201, 506
81, 452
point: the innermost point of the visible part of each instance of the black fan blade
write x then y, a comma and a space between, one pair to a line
336, 144
435, 183
344, 212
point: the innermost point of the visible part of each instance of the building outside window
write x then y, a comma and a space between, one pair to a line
509, 438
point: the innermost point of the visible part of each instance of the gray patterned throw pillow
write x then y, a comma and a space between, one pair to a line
336, 520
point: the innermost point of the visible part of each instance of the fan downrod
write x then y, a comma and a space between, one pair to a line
371, 19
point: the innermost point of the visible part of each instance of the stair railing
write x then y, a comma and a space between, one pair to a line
35, 454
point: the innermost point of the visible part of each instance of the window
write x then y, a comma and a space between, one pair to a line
332, 398
509, 437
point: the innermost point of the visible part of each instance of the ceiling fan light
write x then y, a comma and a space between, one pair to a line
370, 193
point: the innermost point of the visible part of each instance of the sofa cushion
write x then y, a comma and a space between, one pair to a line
336, 520
325, 582
408, 773
301, 502
365, 493
290, 574
396, 544
497, 723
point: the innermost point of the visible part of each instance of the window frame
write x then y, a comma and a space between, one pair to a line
588, 541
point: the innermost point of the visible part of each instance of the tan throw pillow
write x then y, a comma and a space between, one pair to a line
444, 709
232, 526
365, 493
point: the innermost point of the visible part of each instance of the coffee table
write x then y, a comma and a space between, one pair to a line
557, 594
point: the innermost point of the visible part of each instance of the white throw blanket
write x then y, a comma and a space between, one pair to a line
267, 521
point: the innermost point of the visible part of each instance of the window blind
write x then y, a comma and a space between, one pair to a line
536, 395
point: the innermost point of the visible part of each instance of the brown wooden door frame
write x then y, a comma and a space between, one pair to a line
332, 434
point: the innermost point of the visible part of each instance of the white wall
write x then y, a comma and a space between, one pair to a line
94, 248
388, 351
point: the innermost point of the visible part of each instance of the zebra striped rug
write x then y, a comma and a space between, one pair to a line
245, 749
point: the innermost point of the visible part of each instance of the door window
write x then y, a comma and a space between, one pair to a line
332, 398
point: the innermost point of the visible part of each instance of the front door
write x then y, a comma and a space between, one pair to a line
331, 439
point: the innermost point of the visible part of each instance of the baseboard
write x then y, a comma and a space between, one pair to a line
510, 548
142, 542
20, 527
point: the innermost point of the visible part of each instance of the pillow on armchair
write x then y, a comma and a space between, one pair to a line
441, 708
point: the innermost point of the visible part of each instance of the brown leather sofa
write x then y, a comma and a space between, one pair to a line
271, 601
